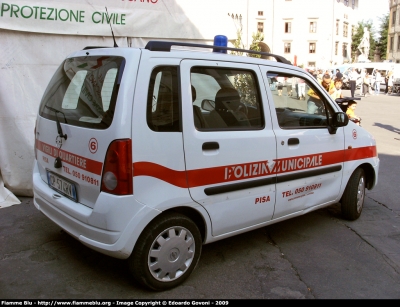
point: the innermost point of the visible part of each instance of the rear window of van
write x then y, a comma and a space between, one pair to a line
83, 91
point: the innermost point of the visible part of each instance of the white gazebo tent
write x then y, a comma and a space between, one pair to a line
36, 37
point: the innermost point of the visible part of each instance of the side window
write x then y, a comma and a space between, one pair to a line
298, 103
163, 100
225, 99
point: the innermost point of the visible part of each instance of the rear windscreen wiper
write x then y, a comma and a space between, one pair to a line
59, 129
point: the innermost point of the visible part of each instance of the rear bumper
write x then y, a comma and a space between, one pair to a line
112, 227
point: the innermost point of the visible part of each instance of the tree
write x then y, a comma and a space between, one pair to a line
383, 32
357, 36
257, 38
238, 43
244, 82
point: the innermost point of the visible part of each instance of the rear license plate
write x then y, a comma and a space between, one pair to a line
62, 185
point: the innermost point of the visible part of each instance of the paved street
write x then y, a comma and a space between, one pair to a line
316, 256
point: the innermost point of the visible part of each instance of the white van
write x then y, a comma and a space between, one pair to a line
146, 154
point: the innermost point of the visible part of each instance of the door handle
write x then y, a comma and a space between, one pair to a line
293, 141
210, 145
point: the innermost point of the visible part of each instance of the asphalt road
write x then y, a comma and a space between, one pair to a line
315, 256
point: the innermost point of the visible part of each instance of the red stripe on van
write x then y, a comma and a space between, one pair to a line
360, 153
228, 173
83, 163
177, 178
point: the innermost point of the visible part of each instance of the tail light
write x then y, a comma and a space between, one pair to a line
117, 172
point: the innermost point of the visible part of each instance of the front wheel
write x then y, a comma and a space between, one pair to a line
353, 197
166, 252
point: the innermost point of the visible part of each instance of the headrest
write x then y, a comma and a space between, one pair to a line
193, 94
227, 99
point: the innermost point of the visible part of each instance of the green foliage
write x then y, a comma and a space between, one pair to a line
257, 38
238, 43
357, 36
244, 83
383, 32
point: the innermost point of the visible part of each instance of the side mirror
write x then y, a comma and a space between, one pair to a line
208, 105
339, 119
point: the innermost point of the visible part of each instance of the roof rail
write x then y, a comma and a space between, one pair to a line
95, 47
166, 46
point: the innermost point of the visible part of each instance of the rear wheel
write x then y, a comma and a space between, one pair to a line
352, 200
167, 252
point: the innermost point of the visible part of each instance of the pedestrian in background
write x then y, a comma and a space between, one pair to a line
378, 80
338, 72
362, 75
314, 103
387, 77
350, 112
328, 84
353, 76
389, 85
320, 75
313, 73
293, 88
301, 87
337, 91
281, 80
366, 85
339, 76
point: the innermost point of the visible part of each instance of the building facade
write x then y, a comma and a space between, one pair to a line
393, 46
309, 33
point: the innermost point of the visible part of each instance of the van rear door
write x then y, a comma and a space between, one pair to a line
77, 122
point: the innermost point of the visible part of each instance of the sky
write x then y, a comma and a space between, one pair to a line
372, 9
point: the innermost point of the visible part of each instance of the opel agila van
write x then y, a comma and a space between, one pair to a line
146, 154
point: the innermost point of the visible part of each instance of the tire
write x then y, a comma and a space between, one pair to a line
166, 252
352, 201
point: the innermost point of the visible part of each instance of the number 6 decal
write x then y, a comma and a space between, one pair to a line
93, 145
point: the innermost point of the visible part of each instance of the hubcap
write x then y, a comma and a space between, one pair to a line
171, 254
360, 194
